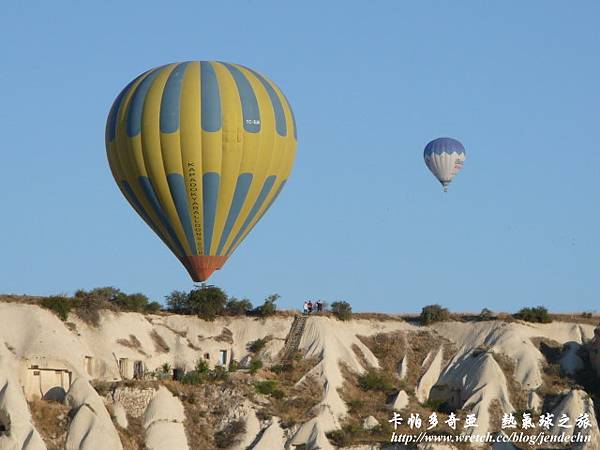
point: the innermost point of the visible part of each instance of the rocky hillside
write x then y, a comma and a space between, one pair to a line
170, 382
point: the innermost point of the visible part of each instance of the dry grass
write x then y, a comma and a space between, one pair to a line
554, 382
518, 396
207, 405
297, 401
159, 343
133, 437
374, 403
51, 419
390, 349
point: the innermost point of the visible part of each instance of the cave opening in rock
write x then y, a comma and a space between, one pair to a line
4, 423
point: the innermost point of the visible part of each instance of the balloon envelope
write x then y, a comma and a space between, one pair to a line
445, 158
201, 150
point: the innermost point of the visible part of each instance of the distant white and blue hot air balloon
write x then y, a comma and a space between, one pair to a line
444, 157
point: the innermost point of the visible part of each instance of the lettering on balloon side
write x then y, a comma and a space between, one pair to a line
194, 197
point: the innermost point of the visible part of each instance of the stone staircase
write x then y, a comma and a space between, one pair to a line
292, 342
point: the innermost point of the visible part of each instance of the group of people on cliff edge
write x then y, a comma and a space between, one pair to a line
310, 306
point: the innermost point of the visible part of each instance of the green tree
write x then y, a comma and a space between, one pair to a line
61, 306
178, 302
235, 307
434, 313
207, 301
342, 310
538, 314
153, 307
268, 308
106, 293
131, 302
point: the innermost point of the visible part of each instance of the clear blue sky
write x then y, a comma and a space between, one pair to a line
361, 218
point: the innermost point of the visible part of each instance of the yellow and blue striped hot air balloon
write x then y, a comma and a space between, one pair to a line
201, 150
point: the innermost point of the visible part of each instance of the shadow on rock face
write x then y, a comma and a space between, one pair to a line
56, 394
4, 423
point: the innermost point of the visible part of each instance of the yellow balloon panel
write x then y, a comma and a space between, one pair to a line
201, 150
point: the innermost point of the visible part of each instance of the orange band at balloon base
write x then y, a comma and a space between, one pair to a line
201, 267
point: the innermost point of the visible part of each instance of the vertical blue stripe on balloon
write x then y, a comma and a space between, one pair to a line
169, 105
293, 117
210, 195
239, 197
280, 124
136, 204
136, 105
210, 100
250, 110
111, 123
179, 194
264, 192
148, 191
275, 196
132, 198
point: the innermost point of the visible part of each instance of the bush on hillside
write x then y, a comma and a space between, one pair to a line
433, 313
230, 434
342, 310
269, 387
106, 294
486, 314
538, 314
268, 308
111, 298
61, 306
257, 345
235, 307
375, 380
254, 365
135, 303
345, 436
202, 366
178, 302
206, 301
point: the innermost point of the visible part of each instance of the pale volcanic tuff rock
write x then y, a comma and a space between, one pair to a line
120, 415
534, 402
271, 437
163, 422
514, 341
473, 381
431, 375
402, 368
18, 432
91, 427
400, 401
370, 422
570, 361
252, 426
332, 343
573, 404
471, 378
